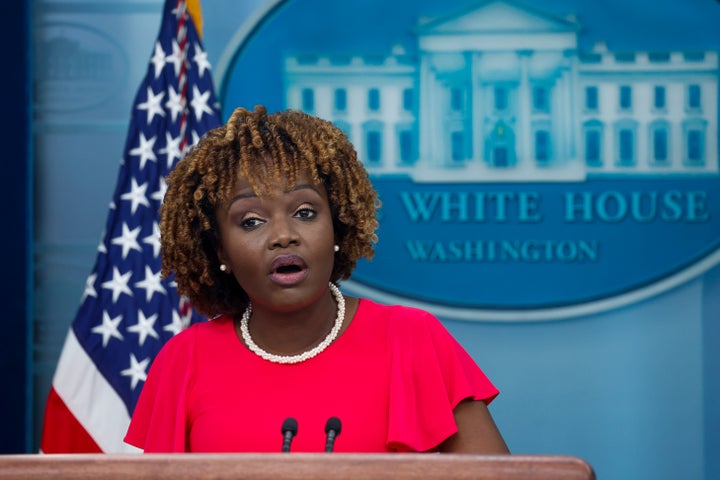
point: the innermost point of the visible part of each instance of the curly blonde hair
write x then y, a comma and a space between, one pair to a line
266, 149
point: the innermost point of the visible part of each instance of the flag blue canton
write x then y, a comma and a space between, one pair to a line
127, 311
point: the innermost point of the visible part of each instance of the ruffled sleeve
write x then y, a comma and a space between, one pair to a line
430, 374
159, 421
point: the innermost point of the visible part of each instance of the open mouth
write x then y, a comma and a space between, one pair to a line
288, 270
285, 269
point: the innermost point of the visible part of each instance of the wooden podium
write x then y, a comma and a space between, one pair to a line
294, 466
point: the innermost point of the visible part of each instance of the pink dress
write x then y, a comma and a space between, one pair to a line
393, 378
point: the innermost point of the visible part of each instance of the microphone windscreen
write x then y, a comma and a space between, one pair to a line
333, 423
290, 425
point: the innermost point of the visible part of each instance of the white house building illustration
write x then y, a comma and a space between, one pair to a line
501, 92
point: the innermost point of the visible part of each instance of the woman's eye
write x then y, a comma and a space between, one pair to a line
306, 213
250, 223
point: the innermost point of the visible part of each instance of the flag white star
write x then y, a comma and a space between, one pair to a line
136, 195
176, 57
151, 283
172, 149
159, 194
108, 328
144, 327
179, 11
201, 59
128, 240
158, 59
199, 103
144, 150
89, 287
137, 371
177, 325
118, 284
101, 246
175, 103
154, 240
195, 138
152, 105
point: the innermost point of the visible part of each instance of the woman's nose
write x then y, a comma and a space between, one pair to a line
283, 234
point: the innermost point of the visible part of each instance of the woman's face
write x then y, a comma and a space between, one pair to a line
279, 247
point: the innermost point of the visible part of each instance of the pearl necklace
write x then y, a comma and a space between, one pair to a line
301, 357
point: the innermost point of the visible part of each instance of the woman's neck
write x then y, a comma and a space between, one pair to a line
293, 332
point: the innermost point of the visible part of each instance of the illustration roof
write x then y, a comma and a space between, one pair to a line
496, 16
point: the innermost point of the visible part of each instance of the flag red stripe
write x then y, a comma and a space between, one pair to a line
64, 433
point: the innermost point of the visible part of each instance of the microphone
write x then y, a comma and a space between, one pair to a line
289, 430
332, 430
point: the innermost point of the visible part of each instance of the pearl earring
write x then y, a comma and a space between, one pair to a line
336, 248
223, 267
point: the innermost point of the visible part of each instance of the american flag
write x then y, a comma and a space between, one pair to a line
127, 311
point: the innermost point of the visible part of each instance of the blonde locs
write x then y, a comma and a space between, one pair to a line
267, 150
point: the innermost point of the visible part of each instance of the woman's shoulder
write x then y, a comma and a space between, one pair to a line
398, 315
198, 333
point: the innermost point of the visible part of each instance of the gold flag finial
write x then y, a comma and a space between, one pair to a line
193, 7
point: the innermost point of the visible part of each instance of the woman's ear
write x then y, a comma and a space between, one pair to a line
220, 252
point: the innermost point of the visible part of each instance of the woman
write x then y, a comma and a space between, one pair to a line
259, 222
